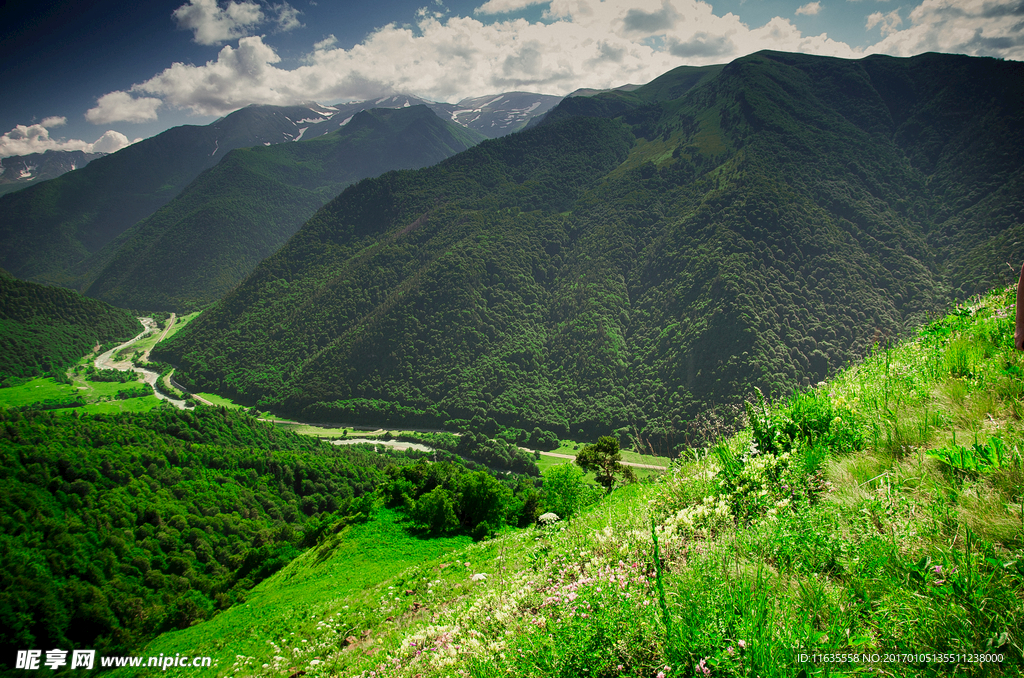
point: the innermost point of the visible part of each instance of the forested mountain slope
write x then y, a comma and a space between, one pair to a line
754, 225
45, 329
206, 240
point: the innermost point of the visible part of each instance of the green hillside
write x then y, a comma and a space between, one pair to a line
49, 228
756, 225
46, 329
234, 215
880, 513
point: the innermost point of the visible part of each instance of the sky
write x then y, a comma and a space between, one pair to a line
97, 75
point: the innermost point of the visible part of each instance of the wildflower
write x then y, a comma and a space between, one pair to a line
702, 668
742, 644
661, 674
730, 650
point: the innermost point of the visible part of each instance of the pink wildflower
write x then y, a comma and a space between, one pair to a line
742, 644
702, 668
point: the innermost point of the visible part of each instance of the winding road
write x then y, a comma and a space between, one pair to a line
106, 361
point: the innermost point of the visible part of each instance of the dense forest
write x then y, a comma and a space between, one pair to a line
639, 257
114, 528
43, 330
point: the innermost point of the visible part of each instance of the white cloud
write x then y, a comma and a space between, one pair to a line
26, 139
890, 22
287, 17
121, 106
329, 41
810, 9
110, 142
580, 43
973, 27
212, 24
506, 6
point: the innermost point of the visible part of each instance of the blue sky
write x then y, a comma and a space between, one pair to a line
97, 74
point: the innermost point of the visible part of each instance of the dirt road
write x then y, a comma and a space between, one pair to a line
624, 463
106, 362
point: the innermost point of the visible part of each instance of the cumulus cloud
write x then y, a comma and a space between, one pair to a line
659, 21
974, 27
122, 107
27, 139
326, 43
287, 17
506, 6
810, 9
579, 43
890, 22
212, 24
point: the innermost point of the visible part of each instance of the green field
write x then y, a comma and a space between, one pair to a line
117, 406
35, 391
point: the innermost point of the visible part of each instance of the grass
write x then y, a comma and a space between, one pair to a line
117, 406
36, 390
220, 401
881, 512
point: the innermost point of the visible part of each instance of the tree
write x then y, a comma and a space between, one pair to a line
435, 510
566, 491
605, 460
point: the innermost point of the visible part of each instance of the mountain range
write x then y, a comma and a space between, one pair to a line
52, 230
639, 256
19, 171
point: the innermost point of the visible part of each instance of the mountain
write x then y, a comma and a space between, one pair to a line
641, 256
498, 114
47, 232
46, 329
206, 240
19, 171
48, 228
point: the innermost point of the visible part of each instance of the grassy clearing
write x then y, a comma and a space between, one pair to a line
33, 391
117, 406
880, 513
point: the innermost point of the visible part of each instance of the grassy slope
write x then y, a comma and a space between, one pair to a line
870, 549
